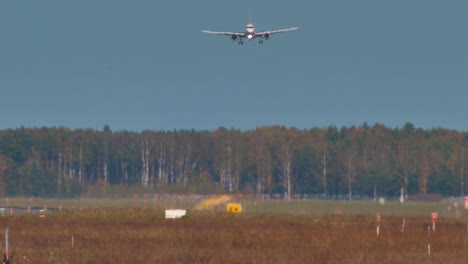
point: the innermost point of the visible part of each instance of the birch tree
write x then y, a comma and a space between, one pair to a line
263, 161
162, 160
285, 141
461, 170
457, 159
226, 158
3, 172
184, 160
145, 161
320, 145
406, 156
146, 145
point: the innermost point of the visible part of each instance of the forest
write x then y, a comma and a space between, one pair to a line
331, 162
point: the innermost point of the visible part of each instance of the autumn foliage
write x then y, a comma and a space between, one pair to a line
346, 163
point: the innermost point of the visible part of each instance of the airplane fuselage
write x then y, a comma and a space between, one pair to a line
250, 31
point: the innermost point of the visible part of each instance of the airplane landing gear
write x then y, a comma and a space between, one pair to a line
260, 41
241, 43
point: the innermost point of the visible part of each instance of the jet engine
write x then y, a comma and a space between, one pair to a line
233, 37
266, 36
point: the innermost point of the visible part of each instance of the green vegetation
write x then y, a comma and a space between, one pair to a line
302, 207
347, 163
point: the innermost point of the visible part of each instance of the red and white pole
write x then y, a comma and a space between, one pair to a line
434, 218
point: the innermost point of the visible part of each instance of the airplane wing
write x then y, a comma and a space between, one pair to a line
238, 34
271, 32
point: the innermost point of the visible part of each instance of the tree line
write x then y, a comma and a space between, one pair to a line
349, 161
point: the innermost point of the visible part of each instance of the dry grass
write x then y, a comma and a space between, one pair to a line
143, 236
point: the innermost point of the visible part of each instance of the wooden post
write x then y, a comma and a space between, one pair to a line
428, 240
403, 228
466, 234
7, 253
378, 220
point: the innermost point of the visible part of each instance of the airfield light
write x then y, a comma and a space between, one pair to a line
235, 208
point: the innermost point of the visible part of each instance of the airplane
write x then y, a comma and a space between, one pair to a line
250, 33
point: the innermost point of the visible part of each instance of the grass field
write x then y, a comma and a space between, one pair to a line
316, 207
135, 231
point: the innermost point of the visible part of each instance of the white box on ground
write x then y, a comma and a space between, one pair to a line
175, 213
382, 201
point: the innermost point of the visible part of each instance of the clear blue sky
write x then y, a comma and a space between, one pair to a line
144, 64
